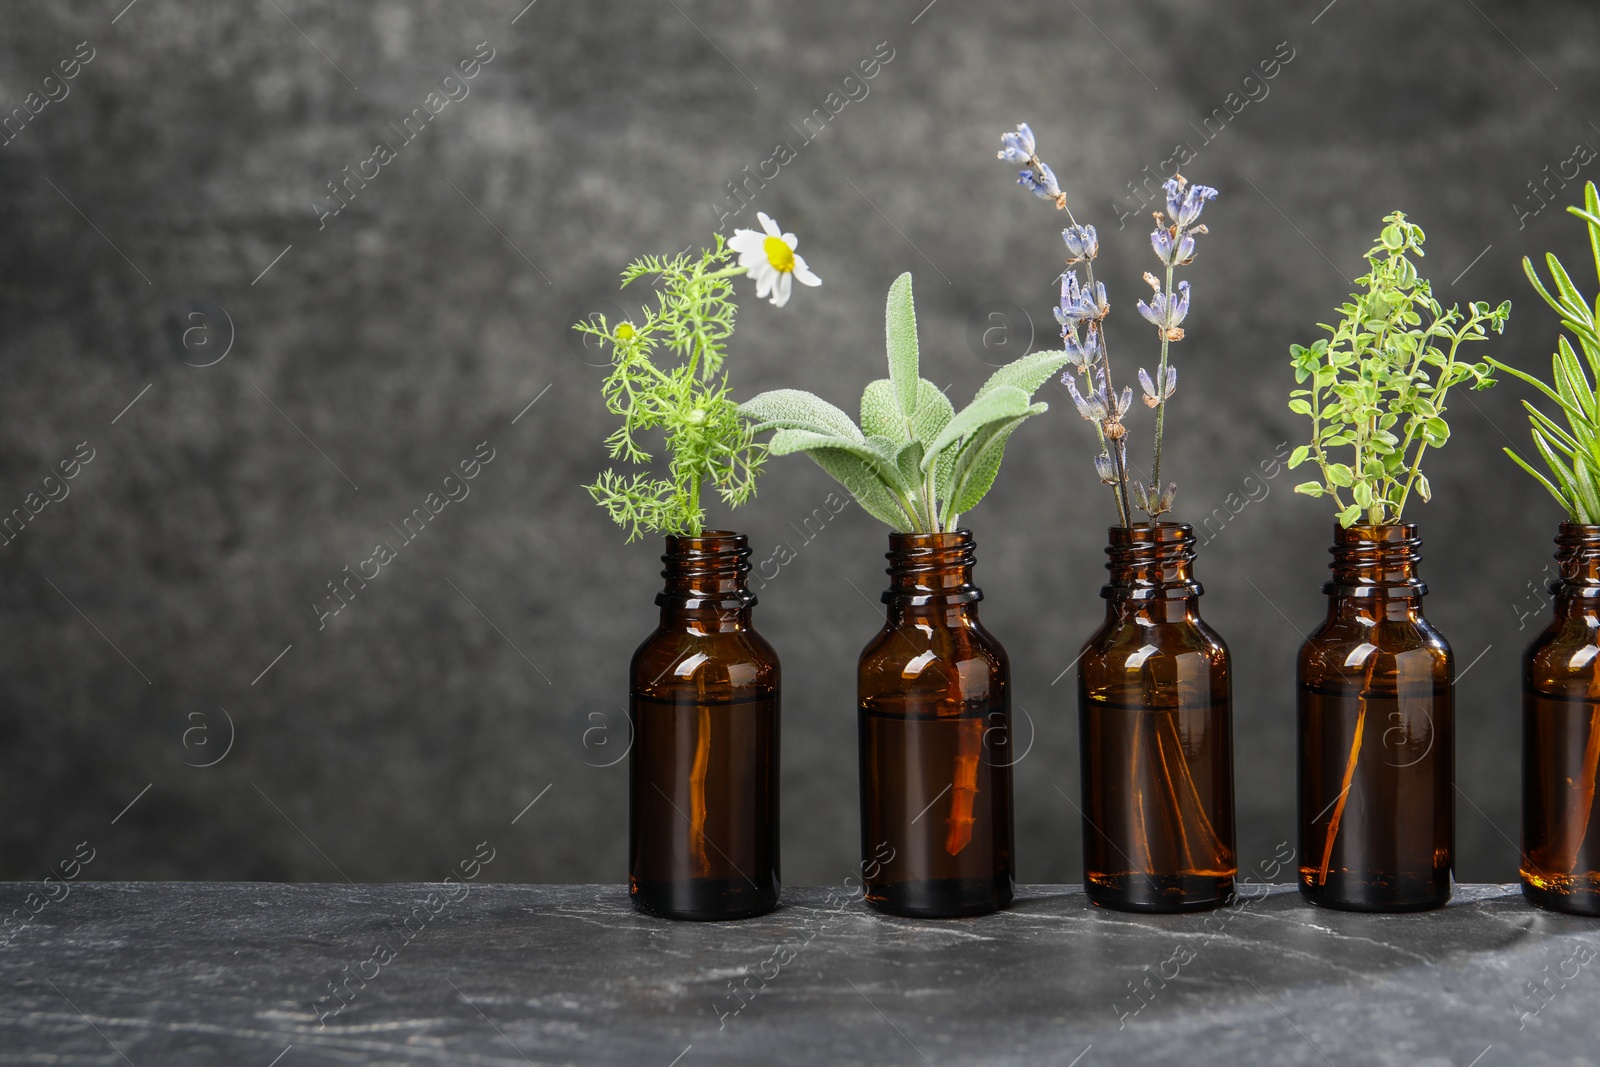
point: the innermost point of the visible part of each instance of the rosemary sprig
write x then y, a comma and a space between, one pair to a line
1570, 453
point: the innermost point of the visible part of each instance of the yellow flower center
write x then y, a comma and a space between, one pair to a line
625, 332
779, 254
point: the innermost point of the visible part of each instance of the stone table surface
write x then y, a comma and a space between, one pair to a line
239, 974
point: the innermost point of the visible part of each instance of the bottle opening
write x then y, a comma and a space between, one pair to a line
1376, 560
931, 567
1151, 560
706, 571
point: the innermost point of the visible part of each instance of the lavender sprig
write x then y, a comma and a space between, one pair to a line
1083, 309
1174, 246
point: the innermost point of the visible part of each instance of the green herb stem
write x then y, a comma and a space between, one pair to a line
1161, 399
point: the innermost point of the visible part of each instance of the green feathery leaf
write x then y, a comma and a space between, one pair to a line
684, 399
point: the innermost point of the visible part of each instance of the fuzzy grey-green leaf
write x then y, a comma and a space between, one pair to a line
900, 329
1027, 373
798, 410
878, 453
862, 483
1004, 402
978, 463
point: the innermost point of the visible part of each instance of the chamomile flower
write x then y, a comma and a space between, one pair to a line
770, 259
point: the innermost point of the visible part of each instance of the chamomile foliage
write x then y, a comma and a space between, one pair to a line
667, 377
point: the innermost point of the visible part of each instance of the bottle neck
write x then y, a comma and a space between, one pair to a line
705, 582
930, 574
1577, 585
1374, 572
1150, 562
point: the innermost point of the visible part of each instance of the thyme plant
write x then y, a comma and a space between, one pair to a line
1377, 386
666, 375
1570, 453
914, 462
1082, 313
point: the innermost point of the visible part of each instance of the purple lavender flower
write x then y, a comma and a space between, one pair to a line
1084, 306
1041, 184
1124, 402
1151, 397
1174, 253
1082, 242
1077, 305
1017, 147
1093, 408
1166, 311
1080, 356
1185, 201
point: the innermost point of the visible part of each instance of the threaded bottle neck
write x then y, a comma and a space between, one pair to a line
706, 572
1151, 561
931, 569
1376, 561
1577, 566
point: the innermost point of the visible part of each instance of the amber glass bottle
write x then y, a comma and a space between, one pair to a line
703, 769
1156, 738
1561, 736
1377, 734
935, 726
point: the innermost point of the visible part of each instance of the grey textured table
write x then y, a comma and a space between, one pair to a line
192, 973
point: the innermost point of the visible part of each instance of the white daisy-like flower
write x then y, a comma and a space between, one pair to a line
771, 261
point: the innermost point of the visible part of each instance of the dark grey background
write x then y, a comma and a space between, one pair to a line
486, 666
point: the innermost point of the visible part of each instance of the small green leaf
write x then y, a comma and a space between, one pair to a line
1311, 489
1005, 402
880, 411
1298, 456
1349, 515
1340, 474
908, 461
934, 411
976, 465
1028, 373
863, 483
798, 410
900, 328
1300, 407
